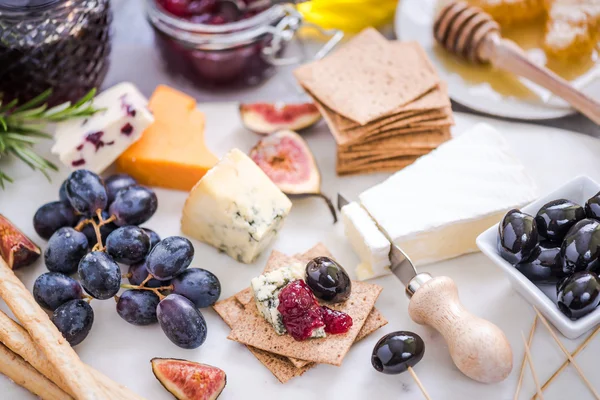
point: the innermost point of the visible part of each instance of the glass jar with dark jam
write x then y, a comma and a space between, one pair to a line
212, 45
58, 44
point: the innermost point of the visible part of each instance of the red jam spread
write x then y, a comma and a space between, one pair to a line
211, 12
57, 44
302, 313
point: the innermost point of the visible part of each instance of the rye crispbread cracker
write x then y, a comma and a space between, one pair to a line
282, 367
366, 79
425, 137
375, 167
438, 134
440, 118
435, 99
369, 161
370, 158
230, 309
393, 157
349, 139
252, 329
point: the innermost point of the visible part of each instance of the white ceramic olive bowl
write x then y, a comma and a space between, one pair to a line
543, 296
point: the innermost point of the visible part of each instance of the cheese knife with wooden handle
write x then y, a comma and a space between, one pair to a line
478, 348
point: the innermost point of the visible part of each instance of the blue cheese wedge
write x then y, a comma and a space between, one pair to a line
266, 290
95, 142
371, 246
236, 208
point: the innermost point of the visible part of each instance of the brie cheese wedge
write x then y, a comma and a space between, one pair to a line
435, 208
371, 246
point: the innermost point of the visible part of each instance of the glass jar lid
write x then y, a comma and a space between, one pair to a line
214, 37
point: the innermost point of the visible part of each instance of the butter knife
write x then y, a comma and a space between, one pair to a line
478, 348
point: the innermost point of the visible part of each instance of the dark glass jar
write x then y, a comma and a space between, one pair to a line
58, 44
235, 54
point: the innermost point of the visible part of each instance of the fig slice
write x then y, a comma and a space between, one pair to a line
187, 380
266, 118
16, 248
286, 158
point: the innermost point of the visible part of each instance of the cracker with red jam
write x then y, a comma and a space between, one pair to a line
284, 368
253, 330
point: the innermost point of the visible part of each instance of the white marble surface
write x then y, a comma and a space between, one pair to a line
123, 351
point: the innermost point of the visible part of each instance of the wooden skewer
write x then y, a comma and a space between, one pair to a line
574, 354
529, 340
533, 373
564, 350
419, 384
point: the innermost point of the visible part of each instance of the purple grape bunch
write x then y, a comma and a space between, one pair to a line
92, 231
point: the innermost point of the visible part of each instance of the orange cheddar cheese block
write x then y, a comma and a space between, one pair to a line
171, 153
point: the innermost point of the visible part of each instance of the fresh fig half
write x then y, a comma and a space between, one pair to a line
286, 158
188, 380
266, 118
16, 248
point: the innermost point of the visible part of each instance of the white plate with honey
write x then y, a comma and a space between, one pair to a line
484, 89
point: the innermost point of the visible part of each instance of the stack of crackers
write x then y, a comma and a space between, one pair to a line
285, 357
383, 101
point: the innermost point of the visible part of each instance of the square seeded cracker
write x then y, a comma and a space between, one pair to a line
277, 260
366, 79
251, 329
230, 309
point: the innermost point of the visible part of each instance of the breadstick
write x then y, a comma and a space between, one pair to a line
16, 338
23, 374
52, 343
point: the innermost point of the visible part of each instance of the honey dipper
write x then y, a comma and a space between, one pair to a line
471, 33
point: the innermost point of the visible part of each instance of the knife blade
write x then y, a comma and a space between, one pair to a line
435, 302
400, 264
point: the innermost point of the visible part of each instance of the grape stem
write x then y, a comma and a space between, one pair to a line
155, 290
97, 225
146, 280
107, 221
79, 227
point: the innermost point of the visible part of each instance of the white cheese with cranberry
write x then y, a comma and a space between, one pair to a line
95, 142
236, 208
435, 208
266, 290
371, 246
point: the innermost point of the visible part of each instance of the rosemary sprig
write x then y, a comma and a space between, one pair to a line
22, 126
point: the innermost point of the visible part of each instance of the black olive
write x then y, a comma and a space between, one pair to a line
556, 218
592, 207
545, 265
579, 294
328, 280
517, 236
581, 248
397, 351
